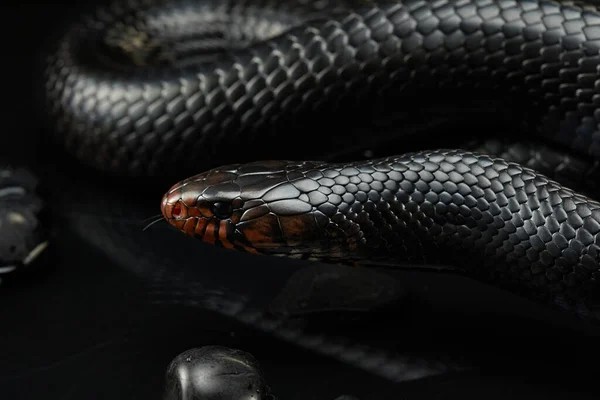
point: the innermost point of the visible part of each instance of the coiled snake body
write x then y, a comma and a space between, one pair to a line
310, 77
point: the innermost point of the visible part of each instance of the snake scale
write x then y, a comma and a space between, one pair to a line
152, 89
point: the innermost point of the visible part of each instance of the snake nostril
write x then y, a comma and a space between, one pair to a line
176, 212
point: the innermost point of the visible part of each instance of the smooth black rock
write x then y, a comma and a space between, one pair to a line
214, 373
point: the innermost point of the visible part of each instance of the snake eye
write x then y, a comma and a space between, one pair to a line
222, 209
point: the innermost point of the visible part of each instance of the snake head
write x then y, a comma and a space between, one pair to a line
260, 207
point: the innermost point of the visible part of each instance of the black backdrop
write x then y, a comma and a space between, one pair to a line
88, 328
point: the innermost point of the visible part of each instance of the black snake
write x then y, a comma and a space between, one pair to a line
148, 89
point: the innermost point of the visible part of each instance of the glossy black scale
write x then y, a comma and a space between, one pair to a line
492, 220
255, 80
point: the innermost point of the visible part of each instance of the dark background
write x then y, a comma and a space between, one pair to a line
99, 323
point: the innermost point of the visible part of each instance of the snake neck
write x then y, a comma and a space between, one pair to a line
489, 219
